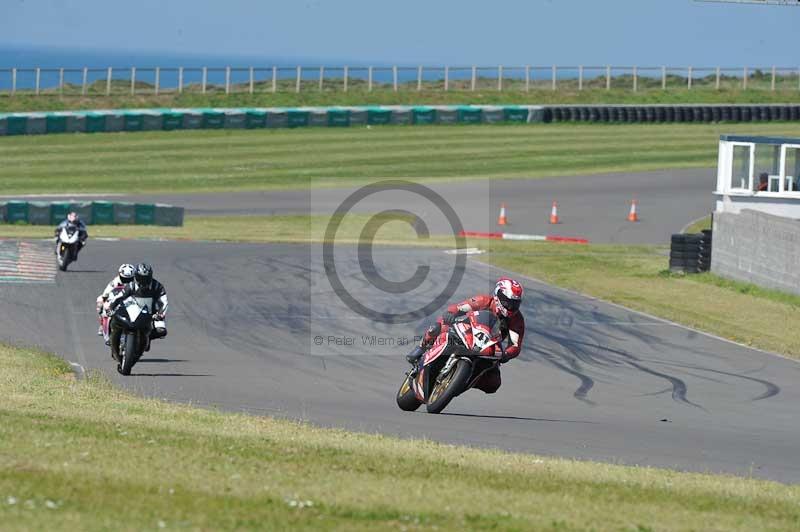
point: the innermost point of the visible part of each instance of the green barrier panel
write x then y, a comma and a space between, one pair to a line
446, 115
102, 213
124, 213
172, 120
152, 121
38, 213
3, 124
235, 119
255, 119
401, 116
469, 115
3, 213
192, 119
213, 120
492, 115
56, 123
358, 116
84, 210
515, 114
58, 212
378, 116
297, 118
317, 118
168, 215
423, 115
277, 119
115, 121
338, 117
17, 212
17, 125
76, 123
145, 214
133, 121
95, 123
37, 124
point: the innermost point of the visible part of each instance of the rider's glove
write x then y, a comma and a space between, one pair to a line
448, 318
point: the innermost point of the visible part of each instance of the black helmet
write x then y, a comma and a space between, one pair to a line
143, 275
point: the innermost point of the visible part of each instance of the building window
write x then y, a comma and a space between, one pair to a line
740, 173
791, 169
766, 170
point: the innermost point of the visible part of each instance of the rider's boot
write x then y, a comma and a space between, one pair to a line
114, 337
414, 356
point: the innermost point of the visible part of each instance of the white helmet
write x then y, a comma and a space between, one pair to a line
507, 296
126, 272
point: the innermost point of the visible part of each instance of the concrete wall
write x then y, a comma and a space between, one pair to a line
758, 248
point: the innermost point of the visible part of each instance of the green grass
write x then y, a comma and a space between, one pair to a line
637, 277
82, 455
567, 93
186, 161
699, 225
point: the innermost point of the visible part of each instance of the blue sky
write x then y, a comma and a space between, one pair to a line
538, 32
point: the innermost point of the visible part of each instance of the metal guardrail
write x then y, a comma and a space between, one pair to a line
135, 81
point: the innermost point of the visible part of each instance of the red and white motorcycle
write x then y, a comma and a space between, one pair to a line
461, 354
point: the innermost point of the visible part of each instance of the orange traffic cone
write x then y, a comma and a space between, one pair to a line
632, 216
554, 214
502, 219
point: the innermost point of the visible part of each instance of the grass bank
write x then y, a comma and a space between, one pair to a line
311, 95
82, 455
217, 160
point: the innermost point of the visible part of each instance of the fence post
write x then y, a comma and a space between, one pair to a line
227, 80
204, 82
527, 78
274, 78
109, 73
85, 80
663, 78
38, 77
554, 77
369, 79
744, 79
297, 79
772, 85
419, 78
689, 79
717, 82
394, 77
580, 77
608, 77
252, 81
346, 75
500, 78
158, 79
474, 78
635, 79
180, 80
13, 81
321, 77
446, 78
61, 81
133, 81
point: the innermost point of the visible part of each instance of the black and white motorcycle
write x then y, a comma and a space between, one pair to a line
67, 246
136, 320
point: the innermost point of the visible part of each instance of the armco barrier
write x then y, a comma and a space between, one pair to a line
93, 213
257, 118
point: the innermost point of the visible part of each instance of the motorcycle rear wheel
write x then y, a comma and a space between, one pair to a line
129, 353
449, 387
406, 398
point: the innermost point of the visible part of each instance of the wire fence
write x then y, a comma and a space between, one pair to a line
152, 81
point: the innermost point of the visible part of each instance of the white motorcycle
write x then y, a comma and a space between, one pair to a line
67, 246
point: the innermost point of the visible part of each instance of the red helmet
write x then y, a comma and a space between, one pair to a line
507, 296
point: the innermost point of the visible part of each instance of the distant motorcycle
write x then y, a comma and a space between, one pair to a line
461, 354
134, 316
67, 246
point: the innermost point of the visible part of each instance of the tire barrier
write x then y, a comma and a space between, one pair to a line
690, 253
258, 118
92, 213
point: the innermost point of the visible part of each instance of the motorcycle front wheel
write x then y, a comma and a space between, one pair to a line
63, 258
129, 353
406, 398
451, 385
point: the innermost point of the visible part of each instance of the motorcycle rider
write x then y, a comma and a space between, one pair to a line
74, 219
504, 302
123, 277
145, 286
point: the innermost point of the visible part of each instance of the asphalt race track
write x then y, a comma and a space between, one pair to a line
594, 207
594, 381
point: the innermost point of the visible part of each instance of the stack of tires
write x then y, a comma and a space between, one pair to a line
690, 253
